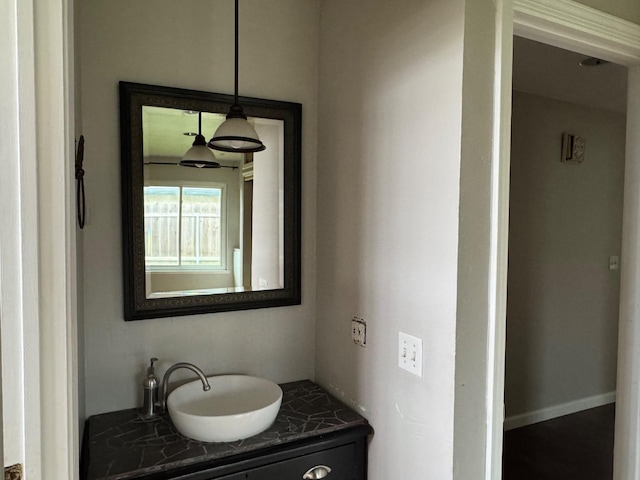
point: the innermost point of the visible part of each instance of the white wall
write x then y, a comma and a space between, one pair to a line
566, 220
388, 189
188, 44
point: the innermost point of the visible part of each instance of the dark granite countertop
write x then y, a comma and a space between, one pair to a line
122, 445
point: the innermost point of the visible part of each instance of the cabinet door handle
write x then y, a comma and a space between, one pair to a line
317, 472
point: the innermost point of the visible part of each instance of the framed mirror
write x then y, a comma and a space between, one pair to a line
201, 240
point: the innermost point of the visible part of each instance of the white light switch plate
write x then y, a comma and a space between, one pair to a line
614, 262
410, 353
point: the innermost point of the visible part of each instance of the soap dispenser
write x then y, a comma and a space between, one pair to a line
150, 393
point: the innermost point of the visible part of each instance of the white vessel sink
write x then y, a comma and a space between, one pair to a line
236, 407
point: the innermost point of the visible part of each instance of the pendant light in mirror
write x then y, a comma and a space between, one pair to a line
199, 155
236, 134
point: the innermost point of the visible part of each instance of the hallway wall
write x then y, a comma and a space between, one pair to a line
565, 222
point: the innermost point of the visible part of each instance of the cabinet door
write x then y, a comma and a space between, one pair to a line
341, 461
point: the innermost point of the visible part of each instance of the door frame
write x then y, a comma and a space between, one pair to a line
569, 25
38, 304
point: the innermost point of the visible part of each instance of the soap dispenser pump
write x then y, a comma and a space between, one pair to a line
150, 393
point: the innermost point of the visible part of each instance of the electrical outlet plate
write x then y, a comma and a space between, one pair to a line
410, 353
359, 331
573, 147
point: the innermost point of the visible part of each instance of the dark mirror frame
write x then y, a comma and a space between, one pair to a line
133, 97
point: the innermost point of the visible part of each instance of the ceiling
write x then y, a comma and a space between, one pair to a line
169, 133
556, 73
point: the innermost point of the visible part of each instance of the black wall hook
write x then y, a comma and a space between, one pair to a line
80, 198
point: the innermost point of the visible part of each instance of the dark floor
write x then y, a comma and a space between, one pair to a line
573, 447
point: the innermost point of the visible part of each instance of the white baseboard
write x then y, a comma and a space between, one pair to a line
555, 411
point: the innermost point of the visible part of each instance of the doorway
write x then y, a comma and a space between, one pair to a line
574, 27
564, 247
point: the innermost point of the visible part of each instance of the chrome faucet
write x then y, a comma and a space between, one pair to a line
165, 381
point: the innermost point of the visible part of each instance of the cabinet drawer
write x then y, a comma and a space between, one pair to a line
341, 461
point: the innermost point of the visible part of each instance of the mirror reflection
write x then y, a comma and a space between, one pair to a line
201, 224
207, 236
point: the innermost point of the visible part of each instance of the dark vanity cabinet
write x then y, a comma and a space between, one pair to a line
314, 436
338, 456
340, 462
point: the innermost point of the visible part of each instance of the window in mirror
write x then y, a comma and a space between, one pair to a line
183, 228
